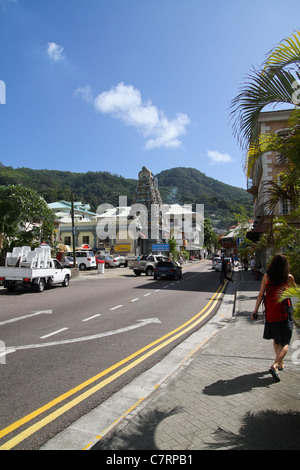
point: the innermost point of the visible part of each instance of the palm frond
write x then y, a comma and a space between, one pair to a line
289, 292
259, 91
285, 54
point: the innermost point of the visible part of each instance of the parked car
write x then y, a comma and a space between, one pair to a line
84, 259
122, 260
214, 261
167, 269
217, 264
68, 262
110, 262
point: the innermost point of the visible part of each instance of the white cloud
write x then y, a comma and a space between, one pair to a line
125, 103
218, 157
85, 93
55, 52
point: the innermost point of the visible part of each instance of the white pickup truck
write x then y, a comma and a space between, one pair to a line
146, 264
35, 269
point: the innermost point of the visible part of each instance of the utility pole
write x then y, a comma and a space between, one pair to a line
73, 230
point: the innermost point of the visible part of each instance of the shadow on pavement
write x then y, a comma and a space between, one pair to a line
141, 437
241, 384
262, 430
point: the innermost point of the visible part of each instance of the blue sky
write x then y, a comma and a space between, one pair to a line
114, 85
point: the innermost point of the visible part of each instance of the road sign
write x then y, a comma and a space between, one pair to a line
160, 247
240, 242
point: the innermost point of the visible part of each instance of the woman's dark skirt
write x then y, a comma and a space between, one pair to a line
280, 331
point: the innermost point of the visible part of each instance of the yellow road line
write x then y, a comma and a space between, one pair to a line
31, 430
97, 438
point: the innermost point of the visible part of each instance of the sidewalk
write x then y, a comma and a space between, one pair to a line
223, 397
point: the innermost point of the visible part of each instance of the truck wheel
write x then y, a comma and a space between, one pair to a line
40, 286
66, 281
82, 267
149, 271
136, 272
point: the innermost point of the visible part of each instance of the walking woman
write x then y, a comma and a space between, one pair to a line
279, 322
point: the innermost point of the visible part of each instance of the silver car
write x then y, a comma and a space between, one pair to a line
110, 262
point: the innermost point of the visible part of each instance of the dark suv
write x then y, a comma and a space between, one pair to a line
168, 270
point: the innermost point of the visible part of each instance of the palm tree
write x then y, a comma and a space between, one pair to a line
277, 82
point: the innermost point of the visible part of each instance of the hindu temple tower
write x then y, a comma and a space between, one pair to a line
147, 193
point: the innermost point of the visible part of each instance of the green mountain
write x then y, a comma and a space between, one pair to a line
177, 185
221, 201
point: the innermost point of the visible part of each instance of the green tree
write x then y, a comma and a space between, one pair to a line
9, 224
27, 218
210, 237
172, 246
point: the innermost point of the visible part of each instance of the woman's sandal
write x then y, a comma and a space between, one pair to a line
274, 374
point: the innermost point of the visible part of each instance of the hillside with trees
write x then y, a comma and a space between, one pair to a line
177, 185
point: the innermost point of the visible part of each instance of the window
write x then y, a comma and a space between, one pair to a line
284, 206
67, 241
86, 240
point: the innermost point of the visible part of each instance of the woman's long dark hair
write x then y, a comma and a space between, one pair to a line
278, 270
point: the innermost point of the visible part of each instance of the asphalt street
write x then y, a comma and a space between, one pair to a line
69, 349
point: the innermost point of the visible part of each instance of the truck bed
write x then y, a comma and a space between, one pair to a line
13, 273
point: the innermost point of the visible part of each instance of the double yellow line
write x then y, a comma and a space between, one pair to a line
151, 349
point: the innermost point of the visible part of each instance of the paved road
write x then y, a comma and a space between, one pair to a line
69, 349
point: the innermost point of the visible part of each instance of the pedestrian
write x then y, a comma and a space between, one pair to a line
278, 321
224, 271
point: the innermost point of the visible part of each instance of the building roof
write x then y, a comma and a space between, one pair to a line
65, 206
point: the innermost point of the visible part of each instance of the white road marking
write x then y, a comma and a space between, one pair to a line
91, 318
25, 316
53, 333
142, 322
117, 306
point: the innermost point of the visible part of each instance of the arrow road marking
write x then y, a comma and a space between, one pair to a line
142, 322
25, 316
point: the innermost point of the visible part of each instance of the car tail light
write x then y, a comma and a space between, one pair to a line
2, 278
26, 279
89, 259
